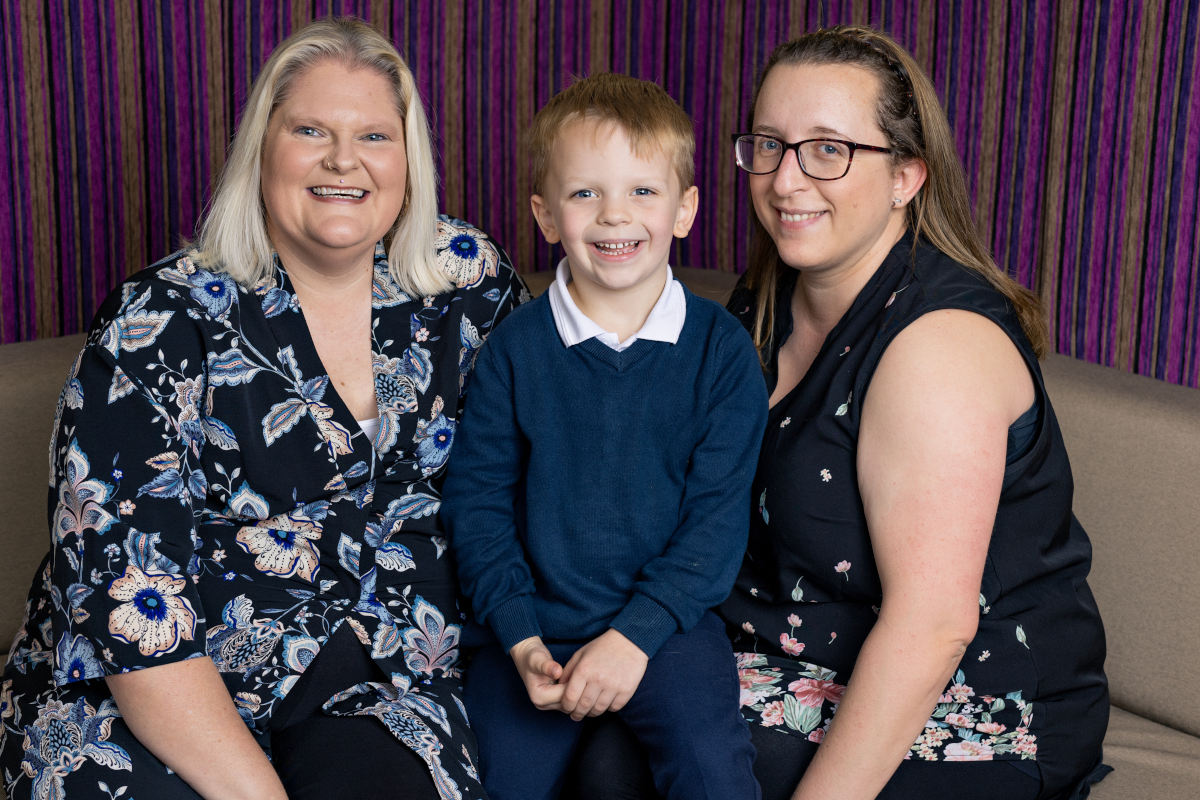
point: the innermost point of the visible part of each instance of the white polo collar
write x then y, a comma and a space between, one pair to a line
664, 323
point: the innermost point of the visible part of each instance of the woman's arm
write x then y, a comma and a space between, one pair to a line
931, 463
183, 714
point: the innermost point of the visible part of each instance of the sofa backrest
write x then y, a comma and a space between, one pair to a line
31, 376
1134, 445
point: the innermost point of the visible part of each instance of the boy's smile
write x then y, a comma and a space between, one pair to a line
616, 213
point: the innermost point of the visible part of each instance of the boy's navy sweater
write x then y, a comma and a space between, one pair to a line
589, 488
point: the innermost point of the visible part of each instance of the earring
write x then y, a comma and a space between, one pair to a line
897, 202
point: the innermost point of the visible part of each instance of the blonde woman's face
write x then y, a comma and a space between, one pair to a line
334, 166
827, 225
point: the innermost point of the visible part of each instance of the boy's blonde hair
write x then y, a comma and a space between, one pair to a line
651, 119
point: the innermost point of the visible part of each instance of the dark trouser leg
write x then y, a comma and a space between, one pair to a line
685, 714
523, 752
610, 764
326, 757
323, 757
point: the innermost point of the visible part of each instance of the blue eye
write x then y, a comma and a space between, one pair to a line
643, 191
768, 145
376, 137
829, 150
306, 130
583, 193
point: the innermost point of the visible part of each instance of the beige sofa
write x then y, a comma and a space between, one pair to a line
1135, 450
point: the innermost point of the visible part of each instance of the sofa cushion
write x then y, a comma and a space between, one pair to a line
31, 376
1148, 760
1134, 445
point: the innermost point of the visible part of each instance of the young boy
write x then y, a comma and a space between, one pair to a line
597, 499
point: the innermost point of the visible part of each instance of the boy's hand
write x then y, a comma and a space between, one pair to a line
602, 676
540, 672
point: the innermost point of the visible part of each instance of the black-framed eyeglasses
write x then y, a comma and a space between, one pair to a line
820, 159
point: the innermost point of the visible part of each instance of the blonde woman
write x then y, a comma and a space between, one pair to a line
245, 555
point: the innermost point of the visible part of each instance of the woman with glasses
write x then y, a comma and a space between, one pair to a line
912, 616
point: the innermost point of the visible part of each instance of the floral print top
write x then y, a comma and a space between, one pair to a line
1031, 686
212, 496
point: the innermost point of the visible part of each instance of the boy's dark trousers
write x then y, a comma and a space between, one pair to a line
684, 714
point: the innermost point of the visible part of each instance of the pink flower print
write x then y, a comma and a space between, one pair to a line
745, 660
812, 692
959, 720
772, 714
984, 656
126, 507
786, 421
817, 735
794, 621
990, 728
844, 568
832, 636
749, 678
957, 693
747, 698
967, 751
748, 628
1026, 745
421, 335
845, 350
826, 476
790, 645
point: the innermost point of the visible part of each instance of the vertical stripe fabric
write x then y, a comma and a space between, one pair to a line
1078, 122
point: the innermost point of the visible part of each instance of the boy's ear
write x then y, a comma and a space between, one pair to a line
689, 203
545, 220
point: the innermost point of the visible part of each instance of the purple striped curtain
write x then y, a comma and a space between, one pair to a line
1079, 124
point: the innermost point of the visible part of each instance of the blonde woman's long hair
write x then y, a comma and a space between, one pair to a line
909, 114
232, 235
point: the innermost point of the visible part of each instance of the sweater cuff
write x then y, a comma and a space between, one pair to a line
646, 624
515, 621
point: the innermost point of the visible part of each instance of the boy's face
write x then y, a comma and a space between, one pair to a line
616, 214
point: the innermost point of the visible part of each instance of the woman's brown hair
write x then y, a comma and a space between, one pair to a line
909, 114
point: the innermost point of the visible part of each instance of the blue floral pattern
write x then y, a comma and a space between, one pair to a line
212, 496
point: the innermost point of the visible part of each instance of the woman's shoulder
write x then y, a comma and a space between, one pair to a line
166, 305
944, 282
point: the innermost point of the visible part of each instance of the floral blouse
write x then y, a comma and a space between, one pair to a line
212, 496
1031, 687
